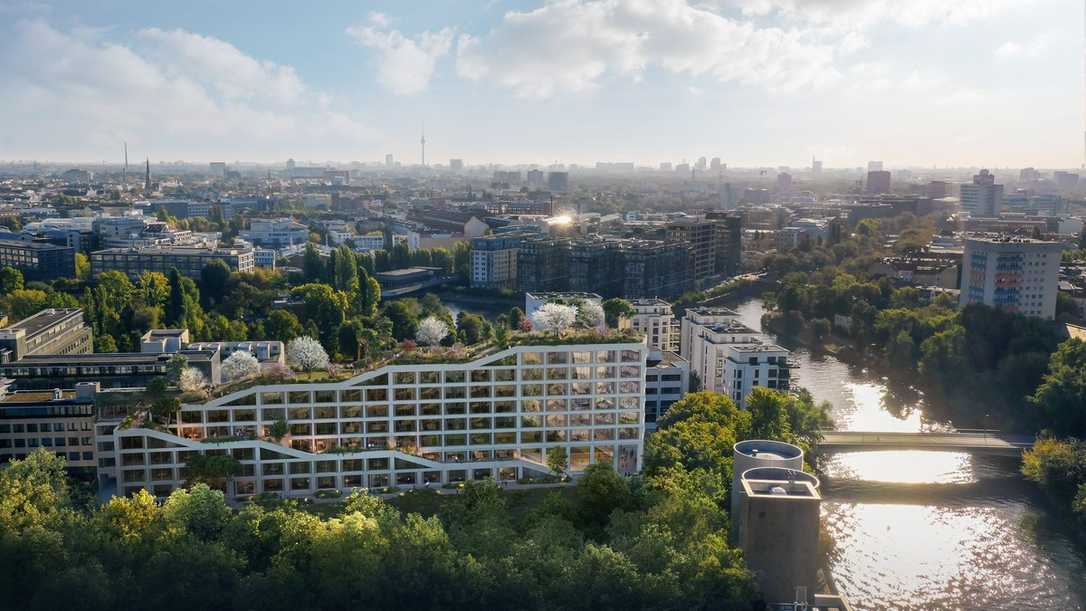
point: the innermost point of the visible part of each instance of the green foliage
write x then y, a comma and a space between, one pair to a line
557, 460
211, 469
404, 314
1059, 467
11, 279
278, 429
615, 309
282, 325
1061, 397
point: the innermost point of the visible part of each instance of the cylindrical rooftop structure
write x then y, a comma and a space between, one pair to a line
780, 474
753, 453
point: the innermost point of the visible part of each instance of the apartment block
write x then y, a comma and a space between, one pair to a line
748, 365
667, 379
51, 331
729, 357
38, 260
410, 425
60, 421
187, 259
110, 369
654, 319
543, 265
493, 261
1013, 274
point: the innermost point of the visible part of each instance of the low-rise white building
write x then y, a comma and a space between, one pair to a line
747, 366
276, 233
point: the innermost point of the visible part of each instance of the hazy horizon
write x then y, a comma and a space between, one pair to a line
759, 83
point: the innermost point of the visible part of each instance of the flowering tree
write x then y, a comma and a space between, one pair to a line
278, 371
239, 366
191, 380
590, 314
554, 317
306, 354
431, 331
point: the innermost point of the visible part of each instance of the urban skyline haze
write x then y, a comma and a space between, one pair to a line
757, 82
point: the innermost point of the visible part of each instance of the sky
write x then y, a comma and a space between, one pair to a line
920, 83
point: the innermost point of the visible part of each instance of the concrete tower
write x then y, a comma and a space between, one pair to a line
147, 176
422, 142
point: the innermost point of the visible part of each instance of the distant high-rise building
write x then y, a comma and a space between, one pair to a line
784, 182
290, 164
1029, 174
456, 165
816, 166
874, 166
938, 189
701, 164
714, 164
389, 160
878, 181
422, 144
682, 168
558, 181
217, 169
982, 198
729, 200
665, 166
1065, 180
536, 178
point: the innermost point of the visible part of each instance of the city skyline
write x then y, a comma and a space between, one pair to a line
982, 83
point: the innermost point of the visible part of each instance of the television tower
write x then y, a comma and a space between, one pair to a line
423, 143
124, 171
147, 177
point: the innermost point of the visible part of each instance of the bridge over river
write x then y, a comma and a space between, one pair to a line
971, 440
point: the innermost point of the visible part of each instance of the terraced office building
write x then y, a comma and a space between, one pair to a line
410, 424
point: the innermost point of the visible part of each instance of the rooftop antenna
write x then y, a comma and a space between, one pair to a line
124, 172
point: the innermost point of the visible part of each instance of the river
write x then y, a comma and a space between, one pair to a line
930, 530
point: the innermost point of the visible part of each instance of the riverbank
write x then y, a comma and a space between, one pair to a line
925, 529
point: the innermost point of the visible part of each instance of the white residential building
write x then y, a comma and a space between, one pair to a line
655, 320
756, 364
1011, 273
728, 356
276, 232
408, 425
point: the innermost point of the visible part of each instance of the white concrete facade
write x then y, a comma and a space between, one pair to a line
410, 425
655, 320
747, 366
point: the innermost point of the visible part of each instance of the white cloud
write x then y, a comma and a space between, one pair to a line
858, 14
1034, 48
67, 95
405, 65
570, 45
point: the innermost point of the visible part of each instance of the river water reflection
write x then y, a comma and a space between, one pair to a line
930, 530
